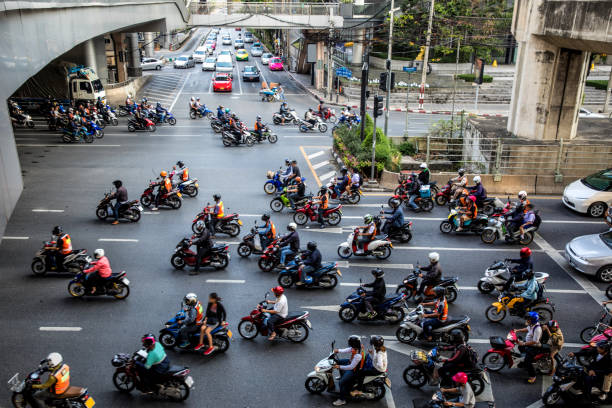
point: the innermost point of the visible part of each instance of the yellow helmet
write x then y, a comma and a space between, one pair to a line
163, 173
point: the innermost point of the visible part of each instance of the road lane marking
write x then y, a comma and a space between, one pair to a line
117, 240
46, 210
315, 155
16, 238
66, 145
328, 175
225, 281
319, 165
60, 328
389, 399
498, 249
151, 212
331, 308
261, 73
354, 284
314, 173
180, 91
575, 291
304, 136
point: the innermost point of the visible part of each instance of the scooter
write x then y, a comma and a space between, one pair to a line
266, 134
251, 244
202, 112
380, 247
218, 256
168, 118
332, 215
229, 139
588, 352
274, 183
410, 330
291, 118
229, 224
117, 286
130, 211
94, 129
452, 222
328, 115
324, 277
270, 258
308, 127
23, 120
346, 121
498, 310
497, 229
588, 333
281, 201
168, 336
390, 310
410, 286
568, 386
189, 187
352, 197
423, 201
73, 263
171, 199
79, 135
403, 234
496, 276
134, 125
323, 379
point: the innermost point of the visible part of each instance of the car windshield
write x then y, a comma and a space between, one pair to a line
182, 58
224, 64
601, 181
249, 69
275, 61
606, 237
267, 55
210, 60
199, 53
221, 78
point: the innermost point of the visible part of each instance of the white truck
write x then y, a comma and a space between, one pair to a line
84, 84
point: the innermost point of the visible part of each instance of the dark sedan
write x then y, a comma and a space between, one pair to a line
250, 73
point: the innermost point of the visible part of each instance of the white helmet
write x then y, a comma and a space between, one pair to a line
54, 359
292, 226
434, 257
130, 95
192, 99
423, 165
522, 194
190, 299
98, 253
477, 179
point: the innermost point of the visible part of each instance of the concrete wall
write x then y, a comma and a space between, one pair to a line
116, 93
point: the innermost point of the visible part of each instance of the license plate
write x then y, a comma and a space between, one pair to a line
125, 281
197, 185
308, 324
179, 194
338, 272
229, 334
189, 381
90, 402
239, 222
140, 208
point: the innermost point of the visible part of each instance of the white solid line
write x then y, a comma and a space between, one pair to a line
60, 328
319, 165
261, 73
117, 240
67, 145
16, 238
328, 175
315, 155
352, 284
228, 242
45, 210
578, 291
305, 136
239, 80
389, 266
179, 92
225, 281
151, 213
499, 249
389, 399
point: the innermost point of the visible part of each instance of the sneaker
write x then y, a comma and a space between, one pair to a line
154, 209
115, 222
603, 396
322, 226
300, 283
183, 345
531, 380
339, 402
459, 229
198, 347
209, 350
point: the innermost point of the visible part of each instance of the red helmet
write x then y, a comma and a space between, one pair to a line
460, 378
278, 290
525, 252
472, 197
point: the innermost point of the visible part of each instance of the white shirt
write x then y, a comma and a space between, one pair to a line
379, 360
467, 396
355, 178
354, 361
534, 333
281, 307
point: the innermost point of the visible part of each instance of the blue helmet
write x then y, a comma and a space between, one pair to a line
532, 317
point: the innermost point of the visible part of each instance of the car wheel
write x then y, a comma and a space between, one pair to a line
597, 210
158, 67
604, 274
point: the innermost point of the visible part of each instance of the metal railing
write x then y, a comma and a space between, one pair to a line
254, 8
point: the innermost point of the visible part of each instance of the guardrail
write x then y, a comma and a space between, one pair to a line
295, 8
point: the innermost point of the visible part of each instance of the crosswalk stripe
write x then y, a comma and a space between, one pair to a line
319, 165
317, 154
327, 175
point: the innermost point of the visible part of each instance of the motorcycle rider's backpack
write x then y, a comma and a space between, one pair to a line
472, 356
538, 219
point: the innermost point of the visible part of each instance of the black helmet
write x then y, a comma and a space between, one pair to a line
265, 217
377, 341
148, 339
343, 170
180, 163
600, 344
311, 246
57, 230
457, 337
378, 273
461, 172
529, 274
394, 202
287, 161
322, 190
117, 183
354, 341
216, 197
439, 291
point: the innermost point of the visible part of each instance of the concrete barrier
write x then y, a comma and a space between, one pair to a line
116, 93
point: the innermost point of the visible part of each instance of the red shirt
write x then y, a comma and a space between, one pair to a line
102, 266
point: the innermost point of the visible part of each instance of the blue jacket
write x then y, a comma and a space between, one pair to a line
264, 230
478, 191
313, 259
397, 219
220, 113
530, 289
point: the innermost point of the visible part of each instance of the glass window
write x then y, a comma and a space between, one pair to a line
97, 85
606, 237
601, 181
85, 86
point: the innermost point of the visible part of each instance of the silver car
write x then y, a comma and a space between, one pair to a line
256, 51
151, 63
184, 61
265, 58
592, 255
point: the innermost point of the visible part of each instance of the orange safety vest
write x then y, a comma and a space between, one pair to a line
185, 174
324, 201
444, 315
168, 184
221, 212
200, 313
257, 126
66, 244
272, 230
62, 379
361, 363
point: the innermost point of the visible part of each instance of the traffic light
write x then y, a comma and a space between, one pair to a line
383, 81
378, 106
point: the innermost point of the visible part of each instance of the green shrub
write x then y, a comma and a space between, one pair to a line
472, 77
407, 148
597, 83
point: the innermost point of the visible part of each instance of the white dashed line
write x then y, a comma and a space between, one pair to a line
315, 155
46, 210
239, 281
16, 238
60, 328
117, 240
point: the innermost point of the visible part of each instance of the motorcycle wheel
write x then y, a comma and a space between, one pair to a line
414, 377
123, 382
488, 209
493, 316
277, 205
451, 294
488, 236
66, 138
485, 287
226, 142
175, 202
223, 344
88, 138
322, 128
192, 191
233, 230
244, 250
427, 205
183, 391
269, 188
114, 121
404, 290
285, 280
334, 218
345, 252
249, 141
405, 236
477, 384
146, 200
151, 128
210, 116
99, 134
303, 128
216, 128
528, 238
272, 138
265, 264
167, 340
406, 335
493, 361
247, 329
441, 200
124, 291
315, 385
101, 213
131, 128
386, 252
332, 119
76, 289
609, 292
545, 313
38, 267
300, 218
347, 314
552, 396
223, 262
30, 124
192, 115
276, 120
354, 198
302, 334
172, 121
398, 315
328, 282
177, 261
446, 227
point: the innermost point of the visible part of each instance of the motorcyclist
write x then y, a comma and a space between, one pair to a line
341, 182
311, 260
529, 218
310, 117
322, 202
531, 346
267, 232
529, 294
203, 244
434, 272
413, 192
366, 233
156, 365
460, 359
161, 112
516, 216
218, 212
296, 191
121, 196
258, 128
349, 368
396, 219
100, 104
289, 243
194, 316
375, 364
523, 264
458, 184
139, 115
57, 383
225, 119
598, 370
279, 312
63, 247
163, 187
438, 315
235, 128
469, 212
98, 272
424, 174
220, 112
477, 190
283, 111
462, 387
375, 296
288, 171
182, 173
128, 101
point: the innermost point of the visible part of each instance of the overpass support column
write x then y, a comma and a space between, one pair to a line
149, 44
358, 47
133, 57
547, 91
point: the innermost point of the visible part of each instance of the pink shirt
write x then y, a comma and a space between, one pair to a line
102, 265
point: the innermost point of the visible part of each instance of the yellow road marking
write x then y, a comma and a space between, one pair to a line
314, 173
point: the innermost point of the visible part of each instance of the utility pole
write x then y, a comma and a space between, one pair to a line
608, 90
389, 49
426, 56
364, 84
455, 86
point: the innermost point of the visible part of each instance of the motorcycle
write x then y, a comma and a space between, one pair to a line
568, 386
348, 122
476, 225
390, 310
380, 247
229, 224
588, 352
328, 115
410, 286
410, 330
23, 393
23, 120
271, 257
505, 353
189, 187
117, 286
94, 129
424, 371
251, 244
588, 333
202, 112
274, 183
404, 181
352, 197
498, 310
109, 116
79, 135
130, 210
168, 336
218, 256
134, 125
168, 118
332, 215
229, 139
402, 235
175, 384
295, 327
497, 229
291, 118
74, 262
444, 195
281, 201
318, 125
266, 134
498, 274
170, 199
609, 291
324, 277
423, 201
322, 379
125, 110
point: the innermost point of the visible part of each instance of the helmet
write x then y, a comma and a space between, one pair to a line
265, 217
227, 110
433, 257
311, 246
553, 323
461, 172
57, 230
292, 226
367, 218
287, 161
525, 252
148, 339
54, 359
532, 317
298, 179
198, 98
377, 341
190, 299
144, 100
522, 194
234, 116
220, 106
477, 179
439, 291
163, 173
278, 290
394, 202
309, 109
98, 253
343, 170
322, 190
378, 273
529, 274
472, 197
423, 165
600, 344
457, 337
180, 163
216, 196
117, 183
354, 341
158, 104
258, 117
192, 99
460, 378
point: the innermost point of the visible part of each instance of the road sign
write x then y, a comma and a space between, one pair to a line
409, 69
344, 72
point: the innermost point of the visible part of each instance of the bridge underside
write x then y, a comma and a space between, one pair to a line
264, 21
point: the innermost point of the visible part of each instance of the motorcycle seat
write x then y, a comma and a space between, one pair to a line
381, 237
292, 316
115, 274
218, 247
174, 369
71, 392
452, 320
448, 281
229, 216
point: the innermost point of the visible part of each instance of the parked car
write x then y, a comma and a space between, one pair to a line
222, 82
224, 64
227, 40
275, 64
209, 64
592, 255
151, 63
184, 61
250, 73
242, 55
584, 113
238, 43
256, 51
590, 195
200, 54
265, 58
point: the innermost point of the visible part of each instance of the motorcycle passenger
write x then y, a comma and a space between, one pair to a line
235, 129
161, 112
531, 346
438, 315
598, 370
182, 173
414, 192
289, 243
259, 127
164, 187
99, 271
140, 117
349, 368
322, 200
203, 244
267, 232
376, 296
214, 316
296, 191
375, 363
225, 119
218, 212
194, 316
355, 179
555, 341
528, 219
310, 118
462, 386
396, 219
458, 184
469, 212
278, 313
295, 172
524, 264
121, 195
63, 247
284, 110
434, 272
341, 182
529, 295
516, 216
311, 262
460, 360
288, 171
57, 383
424, 174
366, 233
156, 365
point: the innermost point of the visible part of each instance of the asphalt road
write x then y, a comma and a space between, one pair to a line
63, 184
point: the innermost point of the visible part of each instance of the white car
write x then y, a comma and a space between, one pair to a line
200, 55
256, 51
151, 63
238, 44
591, 195
227, 40
584, 113
265, 58
184, 61
209, 64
